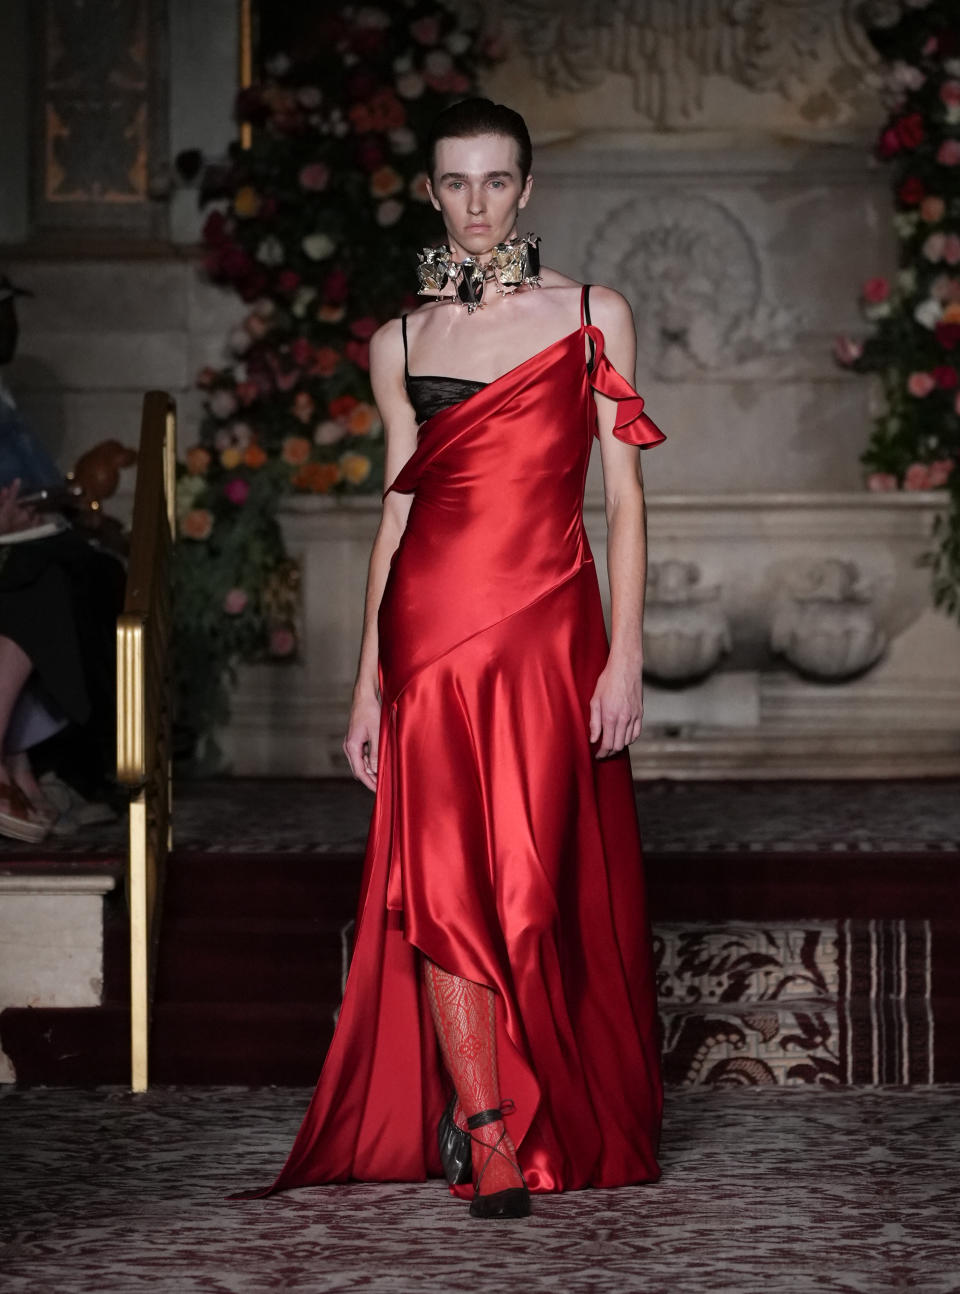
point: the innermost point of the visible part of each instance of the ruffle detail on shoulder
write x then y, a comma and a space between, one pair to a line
632, 425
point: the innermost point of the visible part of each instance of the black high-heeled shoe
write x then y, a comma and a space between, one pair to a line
514, 1202
454, 1143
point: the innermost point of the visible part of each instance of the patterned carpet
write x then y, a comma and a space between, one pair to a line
249, 815
764, 1190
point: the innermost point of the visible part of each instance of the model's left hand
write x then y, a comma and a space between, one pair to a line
616, 707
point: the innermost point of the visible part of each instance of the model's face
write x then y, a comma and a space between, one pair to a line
478, 190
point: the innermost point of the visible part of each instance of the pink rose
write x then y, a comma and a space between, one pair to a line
222, 403
314, 176
920, 384
237, 491
932, 209
881, 481
950, 92
956, 403
235, 602
365, 327
846, 350
282, 642
426, 31
951, 246
917, 477
948, 154
876, 289
939, 471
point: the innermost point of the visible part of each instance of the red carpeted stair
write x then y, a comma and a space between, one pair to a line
846, 965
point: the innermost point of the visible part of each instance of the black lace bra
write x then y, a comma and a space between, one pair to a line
430, 393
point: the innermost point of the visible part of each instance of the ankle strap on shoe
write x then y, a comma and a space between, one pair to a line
491, 1115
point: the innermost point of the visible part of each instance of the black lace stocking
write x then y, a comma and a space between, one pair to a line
465, 1020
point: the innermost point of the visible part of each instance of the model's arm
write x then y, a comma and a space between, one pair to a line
616, 711
361, 744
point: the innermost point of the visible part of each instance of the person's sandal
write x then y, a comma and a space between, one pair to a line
18, 818
514, 1202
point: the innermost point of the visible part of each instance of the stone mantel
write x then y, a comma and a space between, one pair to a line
754, 715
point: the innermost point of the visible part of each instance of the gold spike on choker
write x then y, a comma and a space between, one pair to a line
512, 263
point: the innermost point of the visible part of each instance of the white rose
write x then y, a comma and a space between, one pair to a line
270, 251
402, 140
876, 309
318, 246
278, 65
403, 63
907, 279
328, 432
458, 42
309, 96
438, 62
389, 212
302, 300
411, 85
928, 313
239, 341
189, 489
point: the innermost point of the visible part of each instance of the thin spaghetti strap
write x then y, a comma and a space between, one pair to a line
403, 325
585, 318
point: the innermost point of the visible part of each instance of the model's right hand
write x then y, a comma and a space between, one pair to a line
362, 742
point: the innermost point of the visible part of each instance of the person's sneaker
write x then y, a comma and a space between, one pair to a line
18, 818
73, 810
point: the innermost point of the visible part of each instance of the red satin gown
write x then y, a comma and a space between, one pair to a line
499, 845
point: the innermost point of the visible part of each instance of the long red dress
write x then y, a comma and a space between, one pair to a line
499, 845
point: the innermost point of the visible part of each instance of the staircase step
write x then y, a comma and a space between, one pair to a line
223, 959
215, 1043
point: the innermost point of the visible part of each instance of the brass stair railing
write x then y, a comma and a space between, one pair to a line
144, 717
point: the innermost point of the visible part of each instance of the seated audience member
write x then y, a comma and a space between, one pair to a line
61, 590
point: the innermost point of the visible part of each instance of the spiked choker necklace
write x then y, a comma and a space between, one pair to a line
511, 264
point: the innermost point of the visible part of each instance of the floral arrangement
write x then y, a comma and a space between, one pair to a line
315, 226
915, 346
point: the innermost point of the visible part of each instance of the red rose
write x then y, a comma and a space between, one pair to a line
302, 351
911, 191
945, 376
910, 130
364, 327
288, 281
370, 155
361, 85
335, 287
889, 144
215, 228
358, 352
367, 41
948, 335
253, 286
234, 261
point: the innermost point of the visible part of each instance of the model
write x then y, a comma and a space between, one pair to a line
499, 1019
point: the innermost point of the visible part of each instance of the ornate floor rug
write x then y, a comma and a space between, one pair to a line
802, 1190
331, 815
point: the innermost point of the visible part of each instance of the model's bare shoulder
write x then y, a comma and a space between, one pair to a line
386, 345
609, 306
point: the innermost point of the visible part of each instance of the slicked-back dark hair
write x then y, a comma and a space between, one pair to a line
471, 117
